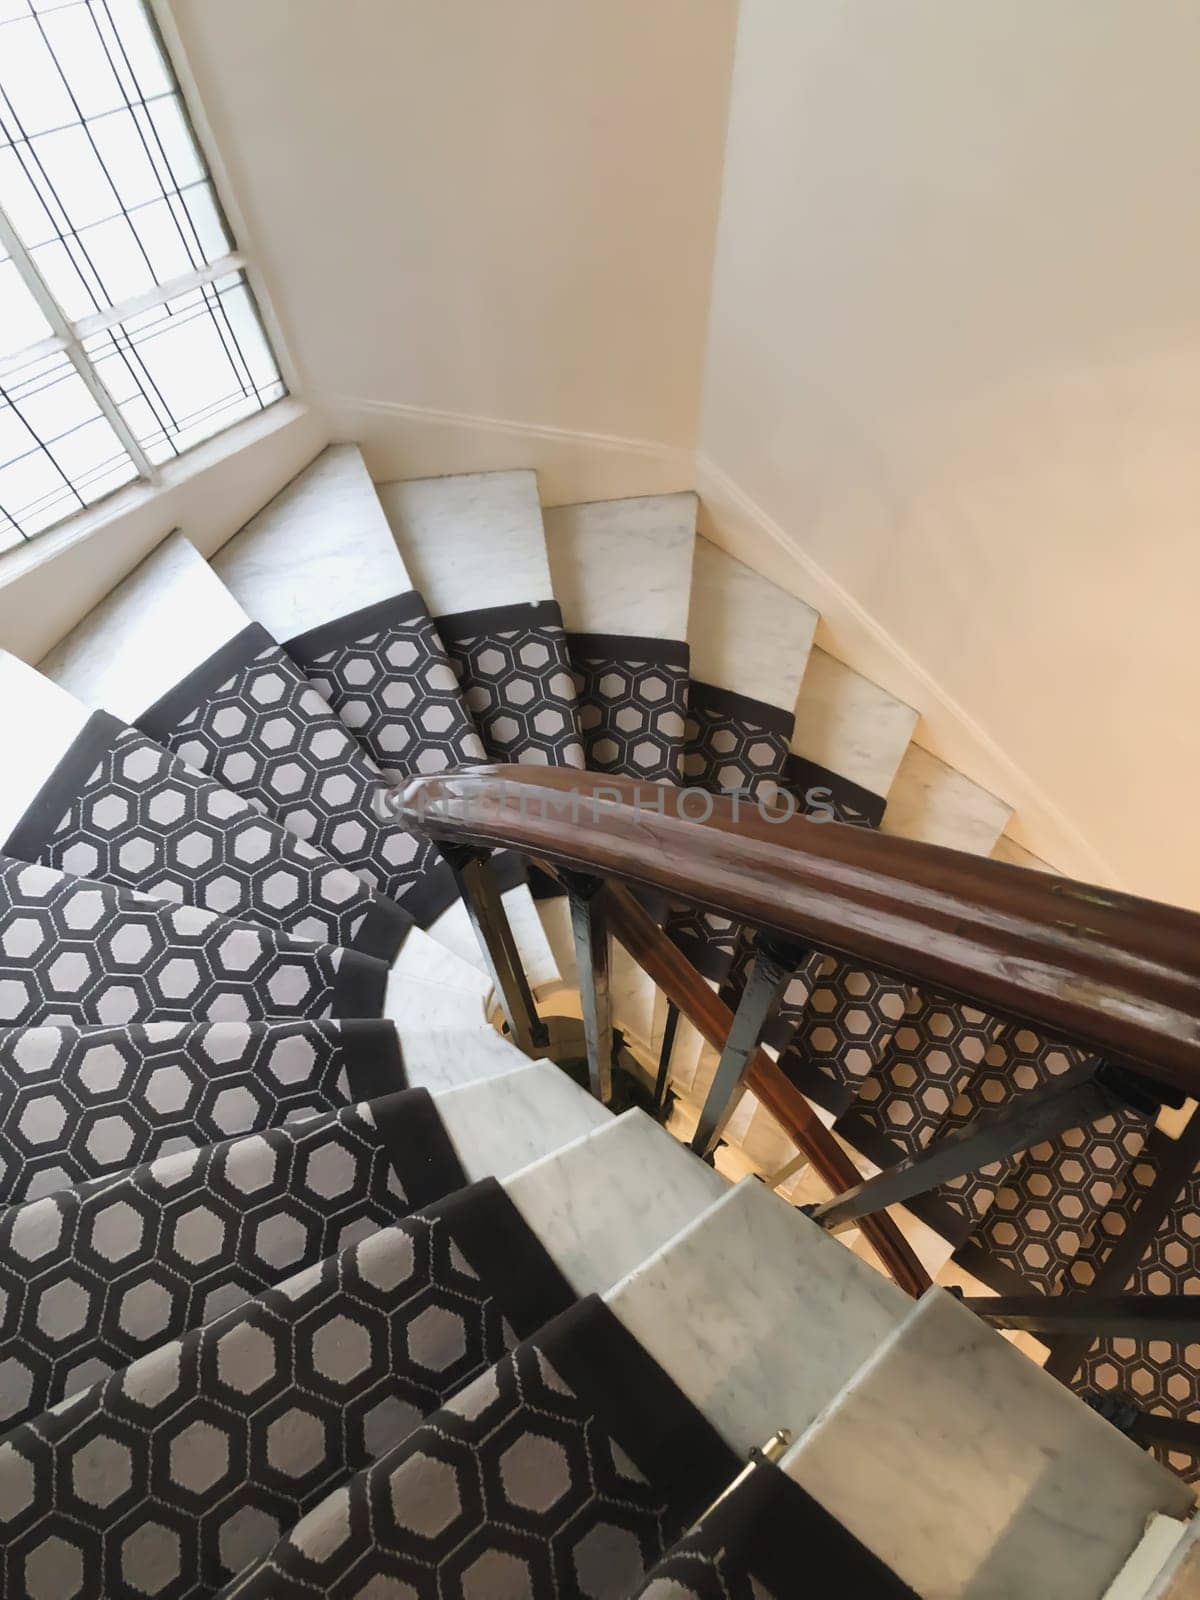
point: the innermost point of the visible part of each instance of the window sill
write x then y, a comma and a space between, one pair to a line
140, 501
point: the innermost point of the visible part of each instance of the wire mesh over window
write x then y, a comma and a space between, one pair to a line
128, 332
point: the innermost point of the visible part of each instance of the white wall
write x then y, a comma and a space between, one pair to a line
953, 382
487, 228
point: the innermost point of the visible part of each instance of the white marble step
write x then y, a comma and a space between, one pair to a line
746, 634
849, 725
448, 1055
499, 1125
418, 1002
976, 1476
1016, 855
612, 1199
472, 541
166, 619
320, 550
623, 566
933, 802
759, 1316
39, 722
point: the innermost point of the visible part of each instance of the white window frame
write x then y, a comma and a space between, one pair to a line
67, 337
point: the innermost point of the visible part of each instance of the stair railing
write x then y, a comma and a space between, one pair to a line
1116, 974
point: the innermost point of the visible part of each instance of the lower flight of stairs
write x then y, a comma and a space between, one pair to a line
310, 1283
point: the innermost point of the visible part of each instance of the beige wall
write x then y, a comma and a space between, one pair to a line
473, 216
954, 361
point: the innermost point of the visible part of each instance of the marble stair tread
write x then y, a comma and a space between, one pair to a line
470, 542
39, 721
623, 566
320, 550
604, 1204
1016, 855
933, 802
169, 616
504, 1123
417, 1003
92, 795
849, 725
476, 550
757, 1315
323, 550
973, 1474
447, 1055
747, 635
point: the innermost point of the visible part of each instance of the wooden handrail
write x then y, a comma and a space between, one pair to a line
674, 974
1115, 973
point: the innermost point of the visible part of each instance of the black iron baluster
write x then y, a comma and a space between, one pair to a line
768, 977
666, 1050
589, 924
1173, 1317
1075, 1100
481, 894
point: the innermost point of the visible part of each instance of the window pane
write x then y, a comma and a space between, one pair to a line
104, 192
186, 369
21, 323
98, 164
57, 451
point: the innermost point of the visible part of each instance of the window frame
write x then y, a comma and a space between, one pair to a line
68, 337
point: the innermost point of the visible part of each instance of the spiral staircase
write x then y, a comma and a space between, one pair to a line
313, 1283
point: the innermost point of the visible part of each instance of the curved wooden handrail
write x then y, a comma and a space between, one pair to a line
1115, 973
674, 974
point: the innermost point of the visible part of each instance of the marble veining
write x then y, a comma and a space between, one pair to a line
501, 1124
849, 725
624, 566
429, 961
320, 550
168, 617
443, 1056
470, 541
38, 724
453, 929
746, 635
974, 1474
779, 1316
412, 1003
931, 801
603, 1204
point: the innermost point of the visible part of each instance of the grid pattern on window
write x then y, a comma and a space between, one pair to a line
128, 332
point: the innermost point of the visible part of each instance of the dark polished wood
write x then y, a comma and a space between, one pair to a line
674, 974
480, 891
1115, 973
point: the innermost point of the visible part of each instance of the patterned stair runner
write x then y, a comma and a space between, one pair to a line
76, 951
80, 1103
475, 549
93, 1277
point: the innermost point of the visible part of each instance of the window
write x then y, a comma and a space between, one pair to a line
128, 331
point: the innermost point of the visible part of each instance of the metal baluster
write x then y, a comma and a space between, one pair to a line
666, 1050
1075, 1100
774, 964
1172, 1317
481, 894
589, 924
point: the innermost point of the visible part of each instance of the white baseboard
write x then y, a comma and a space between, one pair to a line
406, 441
732, 520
